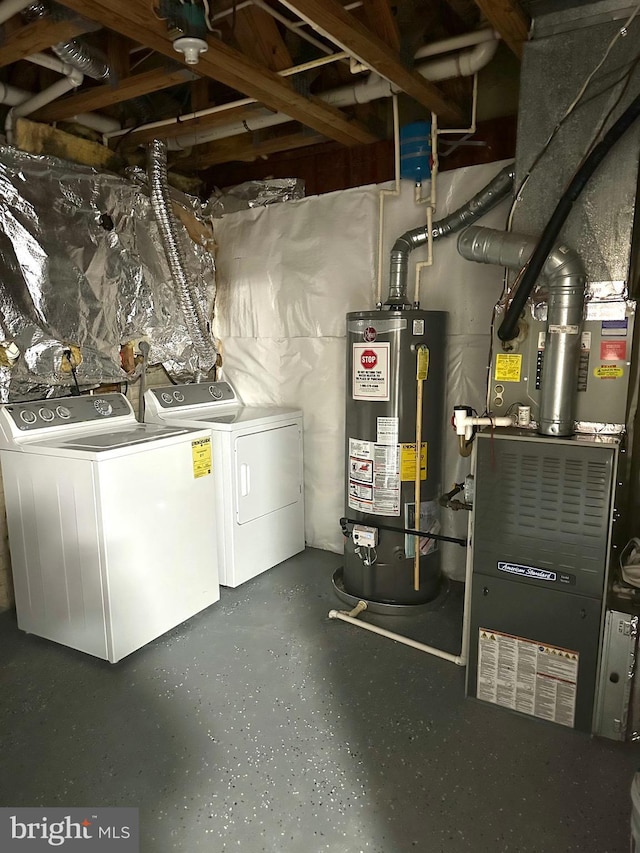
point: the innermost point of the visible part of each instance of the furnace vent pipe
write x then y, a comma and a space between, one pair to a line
185, 290
509, 326
497, 189
566, 279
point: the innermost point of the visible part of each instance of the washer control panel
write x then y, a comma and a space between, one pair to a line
67, 411
197, 394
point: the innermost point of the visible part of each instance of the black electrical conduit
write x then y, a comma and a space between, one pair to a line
509, 326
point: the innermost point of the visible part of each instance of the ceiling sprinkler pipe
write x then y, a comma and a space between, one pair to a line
498, 188
509, 326
185, 289
566, 280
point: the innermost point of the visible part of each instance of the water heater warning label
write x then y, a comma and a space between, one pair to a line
370, 379
533, 678
374, 477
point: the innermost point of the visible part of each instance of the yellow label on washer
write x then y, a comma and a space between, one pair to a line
508, 367
408, 462
608, 371
201, 456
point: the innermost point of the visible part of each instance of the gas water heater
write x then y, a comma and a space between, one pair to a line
384, 384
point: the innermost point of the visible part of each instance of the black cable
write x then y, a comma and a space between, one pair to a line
509, 326
75, 392
408, 531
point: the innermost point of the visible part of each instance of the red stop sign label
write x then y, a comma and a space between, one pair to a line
368, 359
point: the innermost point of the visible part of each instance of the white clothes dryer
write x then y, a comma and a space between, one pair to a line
111, 540
257, 468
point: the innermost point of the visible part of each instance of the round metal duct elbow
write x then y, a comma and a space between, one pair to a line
565, 280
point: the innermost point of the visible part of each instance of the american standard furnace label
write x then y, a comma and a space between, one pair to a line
533, 678
374, 477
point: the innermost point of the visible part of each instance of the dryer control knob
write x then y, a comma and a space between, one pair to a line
166, 398
103, 407
46, 414
216, 392
28, 417
178, 396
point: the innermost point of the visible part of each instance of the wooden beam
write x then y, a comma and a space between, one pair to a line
118, 56
221, 62
243, 148
38, 138
329, 16
40, 35
382, 22
509, 19
98, 97
193, 125
259, 37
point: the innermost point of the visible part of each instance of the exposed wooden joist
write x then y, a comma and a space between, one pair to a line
259, 37
106, 95
118, 56
243, 148
39, 36
133, 18
382, 22
329, 16
466, 10
194, 125
509, 19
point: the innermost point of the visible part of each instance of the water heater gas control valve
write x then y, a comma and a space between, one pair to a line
365, 537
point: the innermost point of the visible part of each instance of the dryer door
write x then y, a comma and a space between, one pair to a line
268, 469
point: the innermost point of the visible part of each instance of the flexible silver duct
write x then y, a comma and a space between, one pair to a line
497, 189
80, 56
566, 278
74, 53
185, 290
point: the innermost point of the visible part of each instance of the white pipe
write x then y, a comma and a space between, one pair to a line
50, 62
56, 90
11, 95
394, 192
406, 641
456, 43
464, 423
96, 121
9, 8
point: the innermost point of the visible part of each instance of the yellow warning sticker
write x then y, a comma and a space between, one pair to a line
508, 367
423, 363
408, 462
608, 371
201, 455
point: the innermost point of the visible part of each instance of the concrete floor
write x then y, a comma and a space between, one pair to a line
260, 725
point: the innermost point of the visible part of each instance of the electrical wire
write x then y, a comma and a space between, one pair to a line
207, 17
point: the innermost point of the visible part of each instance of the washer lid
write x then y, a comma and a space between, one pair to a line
102, 441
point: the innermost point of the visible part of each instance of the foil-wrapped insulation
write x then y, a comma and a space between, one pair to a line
254, 194
81, 267
80, 56
185, 287
488, 197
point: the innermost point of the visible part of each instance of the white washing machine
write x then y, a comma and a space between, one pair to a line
111, 540
257, 466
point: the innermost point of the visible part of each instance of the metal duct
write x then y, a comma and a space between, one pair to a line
497, 189
161, 204
566, 279
78, 55
74, 53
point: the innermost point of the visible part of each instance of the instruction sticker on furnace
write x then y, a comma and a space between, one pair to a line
533, 678
371, 371
508, 367
201, 457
